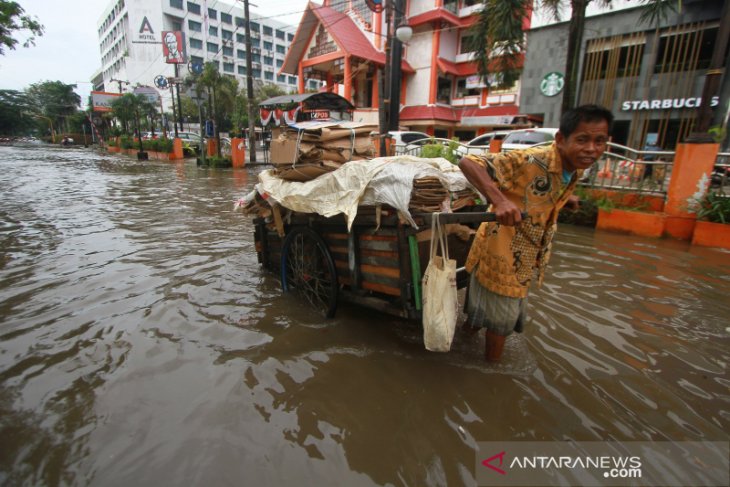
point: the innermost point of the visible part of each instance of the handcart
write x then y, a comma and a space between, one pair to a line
378, 264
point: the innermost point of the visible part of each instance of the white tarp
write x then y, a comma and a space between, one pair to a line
384, 180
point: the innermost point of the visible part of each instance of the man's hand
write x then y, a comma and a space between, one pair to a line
573, 202
507, 212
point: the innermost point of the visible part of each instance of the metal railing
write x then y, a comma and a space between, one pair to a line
721, 173
625, 169
620, 168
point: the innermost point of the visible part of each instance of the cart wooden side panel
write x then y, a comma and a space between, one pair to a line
378, 265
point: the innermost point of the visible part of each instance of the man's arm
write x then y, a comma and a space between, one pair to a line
506, 211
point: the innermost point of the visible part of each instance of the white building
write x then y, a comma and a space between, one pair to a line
130, 42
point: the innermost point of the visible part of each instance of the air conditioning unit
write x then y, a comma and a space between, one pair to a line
256, 65
256, 50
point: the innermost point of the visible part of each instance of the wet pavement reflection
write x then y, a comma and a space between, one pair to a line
142, 344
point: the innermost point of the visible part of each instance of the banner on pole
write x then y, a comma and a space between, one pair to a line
102, 101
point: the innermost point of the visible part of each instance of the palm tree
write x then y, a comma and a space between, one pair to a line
499, 39
221, 96
128, 108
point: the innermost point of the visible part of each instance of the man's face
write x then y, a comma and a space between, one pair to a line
584, 146
171, 44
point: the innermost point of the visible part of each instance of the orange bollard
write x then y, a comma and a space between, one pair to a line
212, 147
238, 152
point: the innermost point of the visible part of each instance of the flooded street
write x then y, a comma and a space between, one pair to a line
142, 344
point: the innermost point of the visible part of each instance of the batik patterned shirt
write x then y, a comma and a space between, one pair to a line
506, 258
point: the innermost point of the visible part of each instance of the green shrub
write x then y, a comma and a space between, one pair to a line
587, 213
715, 208
215, 161
112, 142
439, 150
126, 142
164, 145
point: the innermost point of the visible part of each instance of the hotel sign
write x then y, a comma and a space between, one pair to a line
666, 104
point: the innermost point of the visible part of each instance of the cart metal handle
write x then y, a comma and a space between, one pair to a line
467, 217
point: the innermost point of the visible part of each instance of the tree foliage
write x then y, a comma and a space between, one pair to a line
130, 107
12, 19
13, 113
55, 100
499, 41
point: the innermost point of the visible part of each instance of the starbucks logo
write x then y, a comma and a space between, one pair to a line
552, 84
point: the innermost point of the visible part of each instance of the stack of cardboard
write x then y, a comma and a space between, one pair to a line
314, 148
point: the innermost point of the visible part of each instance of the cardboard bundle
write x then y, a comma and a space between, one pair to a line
314, 148
428, 194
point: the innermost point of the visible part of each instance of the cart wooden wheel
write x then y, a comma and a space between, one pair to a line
308, 269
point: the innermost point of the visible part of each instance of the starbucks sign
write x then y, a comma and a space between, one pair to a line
552, 83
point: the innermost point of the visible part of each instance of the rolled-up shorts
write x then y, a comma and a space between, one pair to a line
499, 314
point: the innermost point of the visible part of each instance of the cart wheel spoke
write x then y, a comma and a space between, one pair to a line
308, 269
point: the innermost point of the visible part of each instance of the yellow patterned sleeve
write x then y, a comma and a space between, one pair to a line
503, 167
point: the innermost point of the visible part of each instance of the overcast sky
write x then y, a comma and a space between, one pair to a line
69, 49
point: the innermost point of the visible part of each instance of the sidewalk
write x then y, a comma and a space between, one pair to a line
259, 158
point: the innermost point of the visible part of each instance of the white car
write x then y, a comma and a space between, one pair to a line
406, 138
480, 144
521, 139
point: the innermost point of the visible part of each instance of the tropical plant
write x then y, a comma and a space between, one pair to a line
715, 208
129, 108
448, 152
13, 19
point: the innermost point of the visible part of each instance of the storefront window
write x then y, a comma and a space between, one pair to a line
668, 61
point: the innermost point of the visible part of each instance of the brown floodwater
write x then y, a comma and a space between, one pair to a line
142, 344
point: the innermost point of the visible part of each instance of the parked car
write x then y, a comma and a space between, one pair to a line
149, 136
403, 139
480, 144
521, 139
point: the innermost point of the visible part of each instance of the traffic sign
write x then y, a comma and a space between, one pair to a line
161, 82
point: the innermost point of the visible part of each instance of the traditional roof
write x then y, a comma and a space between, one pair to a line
346, 34
457, 69
441, 15
422, 112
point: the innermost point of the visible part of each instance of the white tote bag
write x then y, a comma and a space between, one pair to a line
440, 304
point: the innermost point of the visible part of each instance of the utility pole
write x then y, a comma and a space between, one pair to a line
396, 54
249, 90
179, 105
119, 82
384, 105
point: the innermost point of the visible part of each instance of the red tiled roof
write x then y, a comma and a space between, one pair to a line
458, 69
440, 14
348, 37
422, 112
